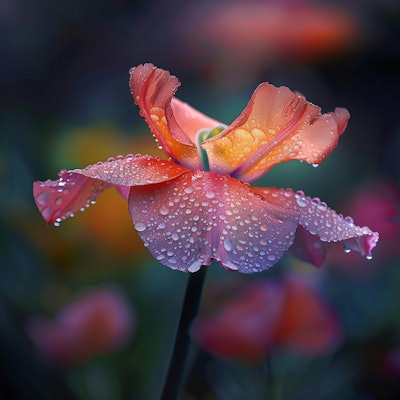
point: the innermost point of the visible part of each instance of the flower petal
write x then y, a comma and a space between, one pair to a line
308, 248
318, 219
190, 120
77, 189
277, 125
152, 89
188, 221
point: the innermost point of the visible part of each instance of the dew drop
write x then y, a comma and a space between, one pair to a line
175, 236
210, 194
188, 190
140, 227
231, 265
228, 244
271, 257
164, 210
301, 201
195, 266
369, 257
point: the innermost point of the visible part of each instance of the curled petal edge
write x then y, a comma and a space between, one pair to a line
322, 222
75, 190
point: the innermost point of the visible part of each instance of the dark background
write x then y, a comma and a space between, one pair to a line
64, 79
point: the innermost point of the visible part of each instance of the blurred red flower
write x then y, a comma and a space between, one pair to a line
97, 321
240, 37
287, 313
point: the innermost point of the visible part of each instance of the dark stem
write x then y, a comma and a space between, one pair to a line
173, 381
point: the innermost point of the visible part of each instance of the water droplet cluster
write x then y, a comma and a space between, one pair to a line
75, 190
285, 130
201, 216
60, 199
321, 220
132, 170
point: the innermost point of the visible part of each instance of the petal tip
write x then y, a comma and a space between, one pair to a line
342, 117
370, 242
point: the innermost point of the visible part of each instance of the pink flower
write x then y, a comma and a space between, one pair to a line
197, 206
376, 204
264, 315
95, 322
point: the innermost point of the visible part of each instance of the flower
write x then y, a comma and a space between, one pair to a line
95, 322
198, 205
264, 315
377, 204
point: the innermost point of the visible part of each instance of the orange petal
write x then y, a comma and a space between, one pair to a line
277, 125
152, 89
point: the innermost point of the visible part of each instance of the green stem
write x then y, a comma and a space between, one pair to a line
176, 369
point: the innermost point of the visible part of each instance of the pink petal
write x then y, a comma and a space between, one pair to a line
190, 120
152, 89
62, 198
277, 125
198, 216
318, 219
77, 189
308, 248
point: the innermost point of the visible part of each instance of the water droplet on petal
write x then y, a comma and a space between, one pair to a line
210, 194
231, 266
369, 257
195, 266
188, 190
228, 246
175, 237
164, 210
140, 227
301, 201
346, 249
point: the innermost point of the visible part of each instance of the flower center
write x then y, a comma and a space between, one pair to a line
201, 136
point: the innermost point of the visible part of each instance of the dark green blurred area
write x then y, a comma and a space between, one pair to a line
64, 77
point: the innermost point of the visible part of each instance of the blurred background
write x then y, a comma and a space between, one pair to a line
85, 313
